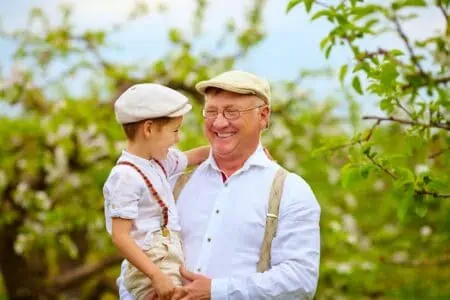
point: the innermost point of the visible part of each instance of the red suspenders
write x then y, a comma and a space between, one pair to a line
164, 208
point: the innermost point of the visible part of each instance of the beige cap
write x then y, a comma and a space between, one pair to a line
239, 82
149, 101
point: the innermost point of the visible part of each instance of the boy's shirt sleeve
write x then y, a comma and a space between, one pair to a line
122, 192
176, 162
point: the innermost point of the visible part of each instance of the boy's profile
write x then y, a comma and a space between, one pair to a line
139, 207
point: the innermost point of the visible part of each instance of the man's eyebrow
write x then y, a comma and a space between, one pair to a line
225, 107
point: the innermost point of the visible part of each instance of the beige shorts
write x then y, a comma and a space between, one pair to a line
167, 254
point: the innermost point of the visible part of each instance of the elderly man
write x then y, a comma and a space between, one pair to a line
224, 206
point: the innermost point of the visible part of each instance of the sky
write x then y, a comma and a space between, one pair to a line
292, 41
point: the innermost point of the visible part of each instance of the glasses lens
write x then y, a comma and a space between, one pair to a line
231, 114
209, 114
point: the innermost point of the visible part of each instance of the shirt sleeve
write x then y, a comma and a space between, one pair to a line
176, 162
122, 192
295, 253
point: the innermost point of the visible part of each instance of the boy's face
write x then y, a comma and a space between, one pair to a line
160, 137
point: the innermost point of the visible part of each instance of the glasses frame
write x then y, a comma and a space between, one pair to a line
223, 112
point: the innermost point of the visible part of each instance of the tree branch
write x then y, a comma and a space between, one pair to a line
320, 3
403, 108
379, 51
405, 39
442, 80
84, 272
380, 166
187, 89
408, 122
436, 154
434, 194
444, 12
366, 139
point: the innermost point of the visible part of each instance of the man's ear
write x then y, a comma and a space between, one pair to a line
265, 115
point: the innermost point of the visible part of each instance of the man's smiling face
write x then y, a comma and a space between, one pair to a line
234, 137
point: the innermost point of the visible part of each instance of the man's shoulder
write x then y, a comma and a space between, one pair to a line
297, 191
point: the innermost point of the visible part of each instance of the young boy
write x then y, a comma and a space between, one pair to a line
139, 207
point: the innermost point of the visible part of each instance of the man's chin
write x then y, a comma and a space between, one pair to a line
222, 151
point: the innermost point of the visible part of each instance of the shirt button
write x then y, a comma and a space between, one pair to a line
217, 211
199, 270
209, 239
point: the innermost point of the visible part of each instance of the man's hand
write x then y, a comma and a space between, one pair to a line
198, 288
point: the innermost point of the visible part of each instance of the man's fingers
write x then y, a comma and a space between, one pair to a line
151, 296
179, 293
189, 275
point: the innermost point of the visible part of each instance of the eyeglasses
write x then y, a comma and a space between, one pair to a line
228, 113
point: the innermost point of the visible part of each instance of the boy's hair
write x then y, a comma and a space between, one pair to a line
131, 129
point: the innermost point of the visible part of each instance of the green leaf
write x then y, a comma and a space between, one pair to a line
322, 13
386, 105
308, 4
403, 207
328, 51
342, 73
365, 170
357, 85
175, 35
396, 52
406, 174
349, 175
292, 4
324, 42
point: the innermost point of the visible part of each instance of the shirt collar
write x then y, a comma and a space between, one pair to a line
257, 158
134, 158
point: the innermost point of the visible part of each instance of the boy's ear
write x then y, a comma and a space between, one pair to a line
148, 124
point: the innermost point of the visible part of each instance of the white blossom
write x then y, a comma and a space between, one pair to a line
333, 175
22, 243
350, 200
379, 185
425, 231
3, 178
344, 268
421, 168
21, 164
400, 257
367, 265
335, 226
44, 200
64, 130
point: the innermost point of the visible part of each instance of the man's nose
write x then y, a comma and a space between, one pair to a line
220, 121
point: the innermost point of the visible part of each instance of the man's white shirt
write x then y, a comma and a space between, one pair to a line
223, 223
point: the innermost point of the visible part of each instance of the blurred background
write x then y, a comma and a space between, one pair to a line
360, 110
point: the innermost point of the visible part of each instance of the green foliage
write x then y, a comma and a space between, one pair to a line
406, 160
381, 188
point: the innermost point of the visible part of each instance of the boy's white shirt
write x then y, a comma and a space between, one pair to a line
127, 196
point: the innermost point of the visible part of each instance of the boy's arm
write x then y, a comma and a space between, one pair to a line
197, 155
121, 238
